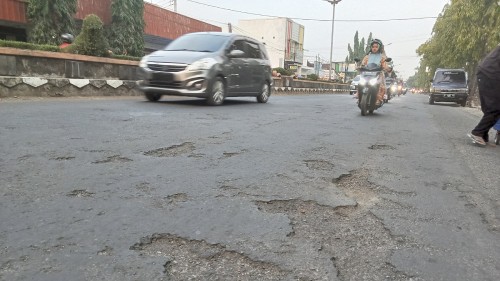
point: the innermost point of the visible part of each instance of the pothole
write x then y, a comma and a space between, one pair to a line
63, 158
172, 151
359, 245
230, 154
178, 197
382, 147
113, 159
145, 187
80, 193
319, 165
198, 260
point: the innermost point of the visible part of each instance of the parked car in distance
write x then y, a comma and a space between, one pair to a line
209, 65
353, 88
449, 85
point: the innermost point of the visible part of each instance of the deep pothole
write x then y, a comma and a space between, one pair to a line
359, 245
198, 260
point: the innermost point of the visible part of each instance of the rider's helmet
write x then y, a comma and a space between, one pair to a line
67, 38
380, 45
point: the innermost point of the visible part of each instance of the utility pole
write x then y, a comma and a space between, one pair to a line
333, 2
229, 27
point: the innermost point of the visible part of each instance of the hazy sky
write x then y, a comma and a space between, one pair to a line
401, 37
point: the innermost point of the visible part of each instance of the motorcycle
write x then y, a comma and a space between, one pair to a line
368, 87
390, 89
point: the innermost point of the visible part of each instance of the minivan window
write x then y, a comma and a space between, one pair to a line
449, 77
253, 50
238, 45
198, 43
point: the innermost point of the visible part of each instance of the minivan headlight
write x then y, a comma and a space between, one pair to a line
144, 62
202, 64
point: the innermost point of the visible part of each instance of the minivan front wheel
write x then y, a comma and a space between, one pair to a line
152, 96
265, 93
217, 92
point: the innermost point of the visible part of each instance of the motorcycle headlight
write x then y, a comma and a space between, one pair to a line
393, 88
144, 62
202, 64
373, 81
362, 81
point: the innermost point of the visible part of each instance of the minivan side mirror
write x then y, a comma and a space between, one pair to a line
236, 54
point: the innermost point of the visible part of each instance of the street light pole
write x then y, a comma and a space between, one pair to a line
333, 2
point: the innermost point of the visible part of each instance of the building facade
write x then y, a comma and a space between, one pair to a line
284, 40
161, 25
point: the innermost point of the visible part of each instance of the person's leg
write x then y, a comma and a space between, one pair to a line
489, 96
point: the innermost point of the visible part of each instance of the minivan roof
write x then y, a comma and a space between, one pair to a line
226, 34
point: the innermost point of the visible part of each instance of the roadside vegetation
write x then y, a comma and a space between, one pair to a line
121, 39
464, 33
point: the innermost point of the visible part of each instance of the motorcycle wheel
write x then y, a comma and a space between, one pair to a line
363, 105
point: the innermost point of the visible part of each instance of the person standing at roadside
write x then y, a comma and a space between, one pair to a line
488, 79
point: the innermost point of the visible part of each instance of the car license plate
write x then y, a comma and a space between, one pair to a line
164, 77
449, 95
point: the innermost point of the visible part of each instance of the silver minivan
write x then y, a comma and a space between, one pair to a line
209, 65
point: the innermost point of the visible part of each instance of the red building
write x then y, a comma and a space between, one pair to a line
162, 26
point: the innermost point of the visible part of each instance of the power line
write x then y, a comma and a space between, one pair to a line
311, 19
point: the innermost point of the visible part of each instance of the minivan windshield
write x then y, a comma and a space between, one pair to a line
450, 77
198, 43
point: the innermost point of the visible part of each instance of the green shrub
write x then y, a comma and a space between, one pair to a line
123, 57
312, 77
91, 40
283, 71
28, 46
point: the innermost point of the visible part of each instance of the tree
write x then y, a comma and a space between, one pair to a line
370, 38
91, 40
359, 49
125, 34
463, 34
49, 19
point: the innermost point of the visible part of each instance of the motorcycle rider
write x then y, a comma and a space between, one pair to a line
390, 71
377, 55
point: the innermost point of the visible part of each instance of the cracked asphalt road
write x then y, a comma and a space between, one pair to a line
301, 188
